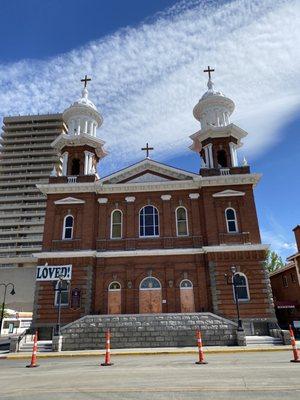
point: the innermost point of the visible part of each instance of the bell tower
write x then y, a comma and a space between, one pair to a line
218, 139
80, 148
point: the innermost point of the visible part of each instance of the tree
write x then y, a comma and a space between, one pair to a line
273, 261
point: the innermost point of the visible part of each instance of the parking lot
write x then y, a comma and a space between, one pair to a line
259, 375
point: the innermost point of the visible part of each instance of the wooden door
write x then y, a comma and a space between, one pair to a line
150, 301
114, 302
187, 300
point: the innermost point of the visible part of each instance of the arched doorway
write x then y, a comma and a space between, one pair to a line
114, 298
187, 303
150, 297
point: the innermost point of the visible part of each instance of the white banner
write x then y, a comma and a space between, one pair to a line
52, 273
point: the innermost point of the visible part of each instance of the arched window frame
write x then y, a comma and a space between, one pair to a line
64, 302
246, 286
186, 287
68, 227
149, 236
186, 220
153, 288
114, 290
111, 223
230, 220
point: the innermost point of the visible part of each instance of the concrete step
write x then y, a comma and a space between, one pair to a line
267, 340
43, 346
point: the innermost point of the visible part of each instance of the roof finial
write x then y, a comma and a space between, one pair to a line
85, 91
210, 82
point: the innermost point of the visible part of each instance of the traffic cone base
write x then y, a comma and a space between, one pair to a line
106, 364
295, 361
201, 362
32, 366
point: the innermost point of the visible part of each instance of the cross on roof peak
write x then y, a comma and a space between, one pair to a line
85, 80
209, 70
147, 149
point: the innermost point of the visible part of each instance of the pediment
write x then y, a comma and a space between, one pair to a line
69, 200
228, 193
148, 171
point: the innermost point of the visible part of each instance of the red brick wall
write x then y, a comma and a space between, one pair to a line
206, 220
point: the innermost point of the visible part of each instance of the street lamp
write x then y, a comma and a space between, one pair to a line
232, 280
58, 288
12, 292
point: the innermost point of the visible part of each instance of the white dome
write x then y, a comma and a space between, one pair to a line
84, 101
213, 109
82, 116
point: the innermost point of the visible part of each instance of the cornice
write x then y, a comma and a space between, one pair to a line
149, 253
196, 183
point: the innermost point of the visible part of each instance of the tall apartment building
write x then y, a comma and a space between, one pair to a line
26, 159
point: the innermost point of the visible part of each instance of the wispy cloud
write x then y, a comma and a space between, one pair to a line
274, 234
147, 79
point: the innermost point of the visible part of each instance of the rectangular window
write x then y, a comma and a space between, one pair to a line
293, 278
64, 294
284, 281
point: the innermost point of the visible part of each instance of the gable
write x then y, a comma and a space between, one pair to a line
148, 171
69, 200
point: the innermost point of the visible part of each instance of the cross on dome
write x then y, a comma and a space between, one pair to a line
147, 149
209, 70
85, 80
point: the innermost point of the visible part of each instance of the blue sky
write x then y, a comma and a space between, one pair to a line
146, 60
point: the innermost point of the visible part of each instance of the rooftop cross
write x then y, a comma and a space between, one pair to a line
209, 70
147, 148
85, 80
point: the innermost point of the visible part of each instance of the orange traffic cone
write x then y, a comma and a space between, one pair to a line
107, 350
33, 363
200, 349
294, 346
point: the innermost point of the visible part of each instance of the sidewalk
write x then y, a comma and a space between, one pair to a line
149, 351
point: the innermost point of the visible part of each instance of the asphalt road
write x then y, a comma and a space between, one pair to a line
256, 376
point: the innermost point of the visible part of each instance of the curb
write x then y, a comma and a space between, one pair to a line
20, 356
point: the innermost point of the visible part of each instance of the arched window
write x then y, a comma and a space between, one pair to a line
64, 293
186, 284
149, 221
150, 283
181, 221
68, 227
222, 158
242, 287
116, 224
231, 220
75, 168
114, 286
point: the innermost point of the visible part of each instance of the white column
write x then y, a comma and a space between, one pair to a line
206, 156
86, 160
95, 129
211, 160
65, 163
233, 154
85, 126
90, 163
78, 127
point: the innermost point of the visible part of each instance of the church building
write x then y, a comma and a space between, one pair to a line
153, 238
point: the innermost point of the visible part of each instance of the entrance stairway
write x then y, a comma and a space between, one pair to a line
262, 340
148, 330
43, 346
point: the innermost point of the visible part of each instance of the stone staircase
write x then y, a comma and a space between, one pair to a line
148, 330
43, 346
262, 340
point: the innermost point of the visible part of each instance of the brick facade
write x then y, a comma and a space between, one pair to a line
206, 228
